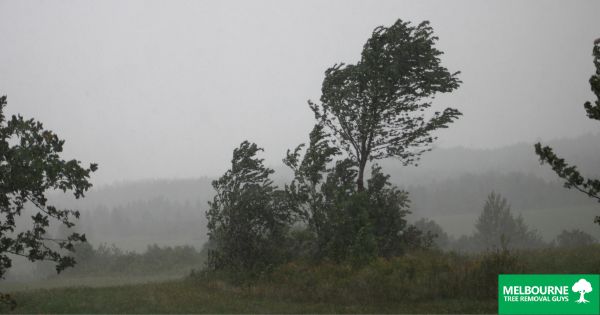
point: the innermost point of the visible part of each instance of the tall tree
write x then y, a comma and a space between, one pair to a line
30, 166
570, 173
376, 107
347, 224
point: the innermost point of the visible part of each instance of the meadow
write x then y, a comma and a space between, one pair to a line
427, 281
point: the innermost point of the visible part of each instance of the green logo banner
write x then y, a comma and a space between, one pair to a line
549, 294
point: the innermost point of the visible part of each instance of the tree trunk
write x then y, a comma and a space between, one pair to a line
360, 180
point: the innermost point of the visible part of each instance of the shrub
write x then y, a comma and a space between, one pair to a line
574, 238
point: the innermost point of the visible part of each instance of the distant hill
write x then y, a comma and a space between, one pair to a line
444, 163
122, 193
135, 214
448, 181
467, 194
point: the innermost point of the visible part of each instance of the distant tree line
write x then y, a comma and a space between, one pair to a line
463, 194
154, 220
498, 229
109, 260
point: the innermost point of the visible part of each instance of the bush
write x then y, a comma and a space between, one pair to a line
439, 238
419, 276
574, 238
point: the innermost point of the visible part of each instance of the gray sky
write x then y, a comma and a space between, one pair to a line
154, 89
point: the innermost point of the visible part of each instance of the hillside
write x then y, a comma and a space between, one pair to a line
453, 181
445, 163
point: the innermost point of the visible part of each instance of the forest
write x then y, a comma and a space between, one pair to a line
367, 214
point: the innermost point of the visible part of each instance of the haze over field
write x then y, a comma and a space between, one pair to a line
450, 186
161, 95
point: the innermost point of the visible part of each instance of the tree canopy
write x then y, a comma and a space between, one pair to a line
570, 173
376, 107
31, 166
347, 224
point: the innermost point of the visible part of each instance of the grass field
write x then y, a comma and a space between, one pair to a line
427, 281
186, 296
61, 281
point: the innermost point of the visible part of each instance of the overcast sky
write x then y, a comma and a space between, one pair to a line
152, 89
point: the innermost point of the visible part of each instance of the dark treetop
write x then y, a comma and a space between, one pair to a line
376, 107
30, 166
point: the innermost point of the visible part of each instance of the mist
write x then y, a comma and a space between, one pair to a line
153, 90
159, 94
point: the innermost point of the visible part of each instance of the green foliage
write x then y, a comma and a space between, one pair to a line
247, 219
352, 236
388, 208
305, 194
565, 260
570, 173
422, 282
348, 225
440, 238
574, 238
483, 276
389, 285
593, 110
496, 227
422, 276
215, 297
30, 165
375, 108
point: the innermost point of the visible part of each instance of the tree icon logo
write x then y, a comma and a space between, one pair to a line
582, 287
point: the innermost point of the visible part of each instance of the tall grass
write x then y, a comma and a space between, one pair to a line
419, 282
418, 277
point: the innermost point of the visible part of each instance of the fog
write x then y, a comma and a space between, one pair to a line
159, 93
155, 89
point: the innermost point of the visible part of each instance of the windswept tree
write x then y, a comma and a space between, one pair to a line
30, 167
376, 108
323, 193
247, 219
570, 173
347, 224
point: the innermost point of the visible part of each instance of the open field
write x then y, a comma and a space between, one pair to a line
418, 282
61, 281
189, 297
